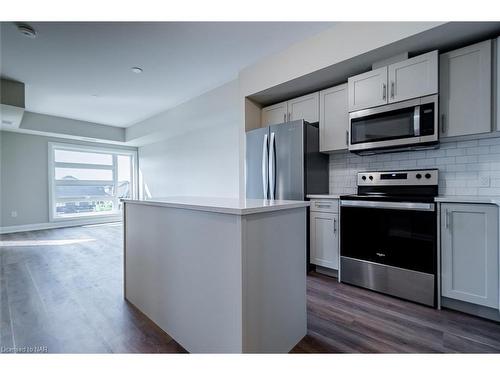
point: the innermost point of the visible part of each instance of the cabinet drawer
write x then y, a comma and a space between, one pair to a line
325, 205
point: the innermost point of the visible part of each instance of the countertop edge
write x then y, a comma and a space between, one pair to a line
468, 199
222, 210
323, 196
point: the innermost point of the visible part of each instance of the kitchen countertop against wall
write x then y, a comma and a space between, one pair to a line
468, 199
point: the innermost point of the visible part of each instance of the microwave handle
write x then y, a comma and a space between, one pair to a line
416, 121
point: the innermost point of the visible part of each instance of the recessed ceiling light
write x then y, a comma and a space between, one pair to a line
136, 69
27, 30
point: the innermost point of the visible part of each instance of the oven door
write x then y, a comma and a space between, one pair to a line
396, 125
396, 234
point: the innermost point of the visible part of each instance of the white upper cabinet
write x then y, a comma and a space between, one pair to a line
403, 80
333, 118
413, 77
274, 114
465, 90
469, 253
304, 108
368, 89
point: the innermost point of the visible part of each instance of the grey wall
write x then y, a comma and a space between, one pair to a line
60, 125
469, 167
200, 156
24, 177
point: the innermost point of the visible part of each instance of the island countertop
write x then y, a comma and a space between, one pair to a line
233, 206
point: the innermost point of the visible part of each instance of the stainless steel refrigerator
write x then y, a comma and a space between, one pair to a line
283, 162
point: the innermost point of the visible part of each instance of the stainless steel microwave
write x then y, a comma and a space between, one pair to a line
411, 124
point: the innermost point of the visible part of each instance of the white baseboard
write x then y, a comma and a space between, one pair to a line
57, 224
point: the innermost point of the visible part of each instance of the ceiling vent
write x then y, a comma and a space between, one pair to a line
11, 104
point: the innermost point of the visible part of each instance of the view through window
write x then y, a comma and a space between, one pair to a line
88, 181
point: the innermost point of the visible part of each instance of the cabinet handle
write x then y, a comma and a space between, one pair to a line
384, 91
284, 117
392, 90
447, 219
334, 225
347, 137
289, 116
443, 126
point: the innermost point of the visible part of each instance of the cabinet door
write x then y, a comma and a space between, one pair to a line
274, 114
304, 108
368, 89
414, 77
324, 237
469, 250
333, 119
465, 96
497, 86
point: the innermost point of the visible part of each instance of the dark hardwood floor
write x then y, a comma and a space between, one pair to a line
63, 289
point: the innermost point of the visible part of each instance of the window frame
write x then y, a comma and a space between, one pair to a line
115, 215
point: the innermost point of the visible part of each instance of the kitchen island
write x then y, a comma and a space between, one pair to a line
219, 275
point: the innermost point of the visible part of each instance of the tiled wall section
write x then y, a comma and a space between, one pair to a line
465, 167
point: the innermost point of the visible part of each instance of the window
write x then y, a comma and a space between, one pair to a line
89, 181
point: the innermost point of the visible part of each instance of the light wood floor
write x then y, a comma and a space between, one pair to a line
63, 289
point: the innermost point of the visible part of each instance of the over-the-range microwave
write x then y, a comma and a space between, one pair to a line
411, 124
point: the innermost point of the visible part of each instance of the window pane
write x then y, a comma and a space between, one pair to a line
66, 156
124, 176
84, 208
77, 191
70, 174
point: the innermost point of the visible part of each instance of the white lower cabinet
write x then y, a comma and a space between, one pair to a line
324, 238
469, 253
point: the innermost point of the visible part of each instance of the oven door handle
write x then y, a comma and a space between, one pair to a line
410, 206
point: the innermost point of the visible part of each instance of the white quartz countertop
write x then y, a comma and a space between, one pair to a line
323, 196
468, 199
221, 205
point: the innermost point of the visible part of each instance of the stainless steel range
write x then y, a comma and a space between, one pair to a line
388, 239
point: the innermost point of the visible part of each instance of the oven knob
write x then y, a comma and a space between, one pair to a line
371, 178
419, 176
364, 178
427, 175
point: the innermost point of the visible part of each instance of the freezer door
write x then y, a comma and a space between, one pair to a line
257, 163
286, 176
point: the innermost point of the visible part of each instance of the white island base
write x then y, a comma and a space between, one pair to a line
219, 276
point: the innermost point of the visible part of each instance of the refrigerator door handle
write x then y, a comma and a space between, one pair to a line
272, 167
265, 165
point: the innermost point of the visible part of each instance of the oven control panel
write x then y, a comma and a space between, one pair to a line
406, 177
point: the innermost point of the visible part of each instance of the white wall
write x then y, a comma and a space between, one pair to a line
24, 177
198, 155
341, 42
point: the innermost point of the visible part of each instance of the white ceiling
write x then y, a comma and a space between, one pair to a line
82, 70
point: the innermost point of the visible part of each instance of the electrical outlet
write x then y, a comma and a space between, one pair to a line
13, 213
484, 181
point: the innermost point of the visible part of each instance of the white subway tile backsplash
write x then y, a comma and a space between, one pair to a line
479, 150
467, 143
465, 167
455, 152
